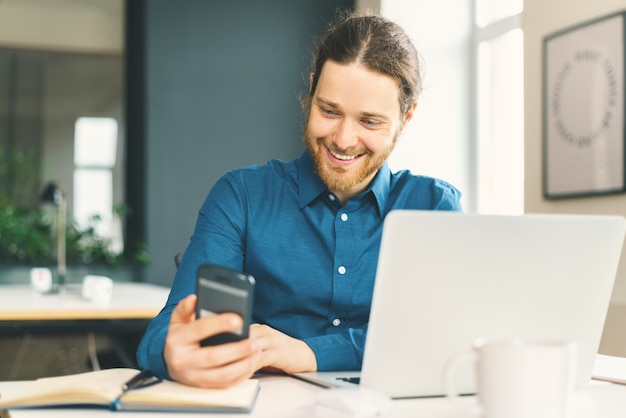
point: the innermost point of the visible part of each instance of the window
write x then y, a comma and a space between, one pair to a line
95, 149
499, 107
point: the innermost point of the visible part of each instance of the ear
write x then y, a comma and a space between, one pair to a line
409, 114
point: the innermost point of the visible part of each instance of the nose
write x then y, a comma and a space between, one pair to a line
346, 136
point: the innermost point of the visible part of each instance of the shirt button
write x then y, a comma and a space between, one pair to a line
331, 197
344, 217
341, 270
336, 322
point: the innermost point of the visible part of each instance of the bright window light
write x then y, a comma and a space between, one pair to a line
95, 142
500, 125
93, 192
95, 148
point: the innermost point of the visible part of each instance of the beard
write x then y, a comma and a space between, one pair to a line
340, 179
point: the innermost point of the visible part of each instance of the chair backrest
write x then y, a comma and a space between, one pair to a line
178, 258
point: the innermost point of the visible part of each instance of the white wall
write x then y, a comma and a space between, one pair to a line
540, 18
437, 141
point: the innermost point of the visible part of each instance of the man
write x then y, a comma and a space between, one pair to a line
308, 230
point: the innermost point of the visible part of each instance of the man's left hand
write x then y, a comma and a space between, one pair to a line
282, 352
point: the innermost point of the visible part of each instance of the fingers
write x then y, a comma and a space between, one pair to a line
196, 330
282, 352
237, 362
213, 366
218, 324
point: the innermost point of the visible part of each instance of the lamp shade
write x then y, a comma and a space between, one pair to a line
52, 194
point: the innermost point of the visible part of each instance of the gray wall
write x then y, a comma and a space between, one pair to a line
222, 86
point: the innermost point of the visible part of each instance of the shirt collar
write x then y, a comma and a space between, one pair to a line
311, 186
381, 186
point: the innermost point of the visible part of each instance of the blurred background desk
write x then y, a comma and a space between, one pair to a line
60, 331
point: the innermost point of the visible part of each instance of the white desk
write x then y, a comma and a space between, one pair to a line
131, 306
128, 301
285, 397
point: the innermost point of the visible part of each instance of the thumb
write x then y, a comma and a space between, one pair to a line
185, 310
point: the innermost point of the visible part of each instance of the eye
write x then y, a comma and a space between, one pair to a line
370, 123
328, 112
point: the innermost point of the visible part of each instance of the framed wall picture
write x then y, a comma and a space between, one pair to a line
583, 109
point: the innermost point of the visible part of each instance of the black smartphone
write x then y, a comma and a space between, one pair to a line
221, 289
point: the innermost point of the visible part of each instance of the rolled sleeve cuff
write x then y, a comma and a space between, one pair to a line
150, 350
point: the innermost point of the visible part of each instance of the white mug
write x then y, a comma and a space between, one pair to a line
41, 279
97, 289
516, 378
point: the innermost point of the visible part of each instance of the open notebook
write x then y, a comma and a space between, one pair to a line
107, 389
444, 279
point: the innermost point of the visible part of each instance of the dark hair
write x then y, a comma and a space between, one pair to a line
376, 43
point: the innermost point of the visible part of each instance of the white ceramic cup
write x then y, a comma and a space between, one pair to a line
97, 289
41, 279
516, 378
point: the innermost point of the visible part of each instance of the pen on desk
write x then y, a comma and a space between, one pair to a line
142, 379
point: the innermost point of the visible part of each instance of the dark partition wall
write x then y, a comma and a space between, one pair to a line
213, 85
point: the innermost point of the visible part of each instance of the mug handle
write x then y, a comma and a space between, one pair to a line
449, 374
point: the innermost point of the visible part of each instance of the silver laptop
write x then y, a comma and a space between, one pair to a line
445, 279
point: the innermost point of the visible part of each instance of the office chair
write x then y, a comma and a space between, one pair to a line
178, 258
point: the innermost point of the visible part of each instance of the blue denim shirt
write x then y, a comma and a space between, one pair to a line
313, 259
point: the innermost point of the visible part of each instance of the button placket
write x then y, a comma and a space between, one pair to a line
344, 255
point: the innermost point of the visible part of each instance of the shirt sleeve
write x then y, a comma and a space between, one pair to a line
150, 350
449, 196
210, 243
341, 351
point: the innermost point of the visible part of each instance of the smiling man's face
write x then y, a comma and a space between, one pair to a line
353, 124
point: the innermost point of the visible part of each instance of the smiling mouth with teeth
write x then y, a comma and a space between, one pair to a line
343, 157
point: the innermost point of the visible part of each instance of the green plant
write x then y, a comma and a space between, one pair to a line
27, 237
85, 246
24, 236
19, 177
28, 233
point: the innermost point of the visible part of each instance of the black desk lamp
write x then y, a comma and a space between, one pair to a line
53, 194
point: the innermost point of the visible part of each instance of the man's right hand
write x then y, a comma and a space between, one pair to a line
211, 367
